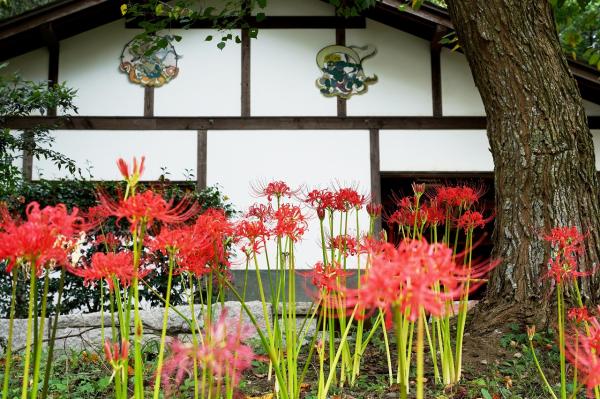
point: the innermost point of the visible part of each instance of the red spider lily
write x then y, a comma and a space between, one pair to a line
221, 354
277, 189
347, 198
579, 314
435, 214
115, 353
133, 176
45, 238
418, 189
320, 201
108, 267
375, 246
261, 212
374, 210
345, 244
290, 222
583, 351
254, 232
408, 216
329, 277
148, 207
406, 278
463, 196
568, 243
210, 235
109, 240
470, 220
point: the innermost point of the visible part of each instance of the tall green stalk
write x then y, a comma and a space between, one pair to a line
8, 355
27, 361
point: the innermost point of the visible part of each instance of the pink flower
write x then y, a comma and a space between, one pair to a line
221, 354
583, 351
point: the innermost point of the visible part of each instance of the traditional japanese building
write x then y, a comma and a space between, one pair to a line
315, 99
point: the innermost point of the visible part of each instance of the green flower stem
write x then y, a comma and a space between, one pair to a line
48, 371
561, 340
32, 291
420, 350
163, 334
540, 371
463, 308
337, 355
194, 328
387, 349
8, 355
40, 338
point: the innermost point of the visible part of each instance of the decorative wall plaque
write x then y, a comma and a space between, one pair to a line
343, 74
149, 67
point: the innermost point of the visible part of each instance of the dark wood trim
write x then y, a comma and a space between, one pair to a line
340, 39
27, 165
201, 161
440, 174
248, 123
53, 60
246, 72
148, 101
374, 155
436, 82
277, 22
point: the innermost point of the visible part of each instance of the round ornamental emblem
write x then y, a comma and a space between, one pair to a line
150, 62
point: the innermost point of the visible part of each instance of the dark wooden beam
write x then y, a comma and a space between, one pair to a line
436, 70
245, 123
375, 171
148, 101
340, 39
246, 76
201, 163
275, 22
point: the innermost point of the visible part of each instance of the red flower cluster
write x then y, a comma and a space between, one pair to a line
347, 198
277, 189
584, 354
108, 267
578, 314
345, 244
320, 200
470, 220
459, 196
568, 246
328, 277
147, 207
45, 238
221, 353
407, 278
290, 222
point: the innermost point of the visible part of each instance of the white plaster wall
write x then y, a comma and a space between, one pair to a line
298, 7
435, 150
175, 150
31, 66
596, 138
239, 159
284, 72
209, 80
591, 109
89, 62
459, 93
402, 64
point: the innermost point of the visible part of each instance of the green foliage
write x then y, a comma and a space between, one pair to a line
578, 24
82, 194
19, 97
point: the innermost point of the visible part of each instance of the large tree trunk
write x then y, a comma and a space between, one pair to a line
543, 152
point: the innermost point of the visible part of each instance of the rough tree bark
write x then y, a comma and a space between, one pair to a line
542, 148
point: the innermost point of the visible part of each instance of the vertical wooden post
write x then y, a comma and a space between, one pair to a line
245, 72
340, 39
436, 72
201, 160
148, 101
375, 171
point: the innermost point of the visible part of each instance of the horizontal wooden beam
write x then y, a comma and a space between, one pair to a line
246, 123
255, 122
299, 22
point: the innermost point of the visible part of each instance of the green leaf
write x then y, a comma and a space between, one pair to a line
253, 33
208, 38
260, 16
594, 58
553, 3
221, 45
486, 394
261, 3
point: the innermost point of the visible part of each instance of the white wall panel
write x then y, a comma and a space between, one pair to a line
209, 80
284, 72
31, 66
238, 159
459, 93
89, 62
175, 150
402, 64
298, 7
591, 109
435, 150
596, 137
